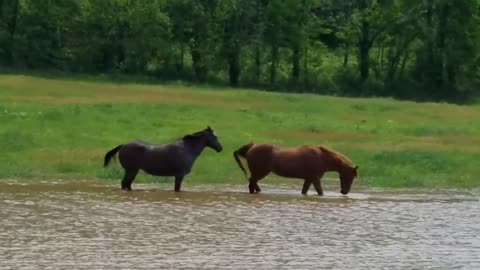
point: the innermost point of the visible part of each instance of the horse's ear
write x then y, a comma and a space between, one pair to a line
209, 128
355, 169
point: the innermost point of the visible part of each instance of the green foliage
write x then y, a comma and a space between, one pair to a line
424, 50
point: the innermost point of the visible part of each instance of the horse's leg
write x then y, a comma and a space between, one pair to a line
254, 178
306, 185
178, 183
257, 188
318, 186
128, 179
257, 172
253, 186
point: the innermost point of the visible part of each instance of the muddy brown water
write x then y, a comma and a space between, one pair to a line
94, 225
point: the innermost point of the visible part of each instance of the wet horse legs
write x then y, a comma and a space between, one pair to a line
178, 183
256, 175
253, 186
318, 186
316, 183
306, 185
128, 179
254, 178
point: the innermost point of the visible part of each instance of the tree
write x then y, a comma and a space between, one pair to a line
236, 20
405, 48
448, 46
9, 13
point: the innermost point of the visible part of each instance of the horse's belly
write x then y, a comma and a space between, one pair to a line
288, 169
165, 167
288, 174
162, 170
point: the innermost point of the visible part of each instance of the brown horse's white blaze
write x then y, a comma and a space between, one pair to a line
304, 162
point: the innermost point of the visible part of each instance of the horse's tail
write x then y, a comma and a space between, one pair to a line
242, 152
111, 154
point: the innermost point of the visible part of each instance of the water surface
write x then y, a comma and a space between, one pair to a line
93, 225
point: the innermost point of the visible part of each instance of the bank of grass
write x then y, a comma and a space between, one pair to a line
61, 128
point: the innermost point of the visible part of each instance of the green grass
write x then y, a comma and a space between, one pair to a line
61, 128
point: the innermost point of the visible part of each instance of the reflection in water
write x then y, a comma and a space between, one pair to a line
87, 226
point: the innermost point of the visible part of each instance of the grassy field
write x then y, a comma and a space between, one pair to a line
61, 128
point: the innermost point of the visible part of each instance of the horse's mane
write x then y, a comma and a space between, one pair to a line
192, 135
337, 156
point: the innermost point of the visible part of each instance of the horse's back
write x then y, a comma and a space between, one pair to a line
135, 150
260, 151
297, 162
283, 161
165, 153
135, 147
282, 152
130, 153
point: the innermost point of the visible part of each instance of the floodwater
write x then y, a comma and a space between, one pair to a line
94, 225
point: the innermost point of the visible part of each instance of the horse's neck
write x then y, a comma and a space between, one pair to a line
333, 165
195, 147
339, 167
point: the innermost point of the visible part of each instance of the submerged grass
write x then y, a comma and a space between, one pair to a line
59, 128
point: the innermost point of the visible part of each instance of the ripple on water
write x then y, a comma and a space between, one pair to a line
98, 227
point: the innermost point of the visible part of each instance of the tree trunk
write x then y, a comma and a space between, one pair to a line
364, 51
181, 63
234, 66
451, 73
123, 28
430, 69
441, 36
273, 67
346, 55
12, 27
258, 63
430, 51
382, 51
108, 57
404, 63
305, 67
1, 10
296, 63
364, 44
397, 57
393, 58
198, 65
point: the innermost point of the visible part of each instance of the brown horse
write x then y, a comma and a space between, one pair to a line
304, 162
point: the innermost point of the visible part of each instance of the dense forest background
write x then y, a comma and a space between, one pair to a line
411, 49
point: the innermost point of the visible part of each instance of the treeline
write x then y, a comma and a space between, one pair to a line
415, 49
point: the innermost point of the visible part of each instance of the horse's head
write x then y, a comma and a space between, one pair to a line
347, 175
206, 136
212, 140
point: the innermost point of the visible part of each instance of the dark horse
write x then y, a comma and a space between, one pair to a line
174, 159
304, 162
